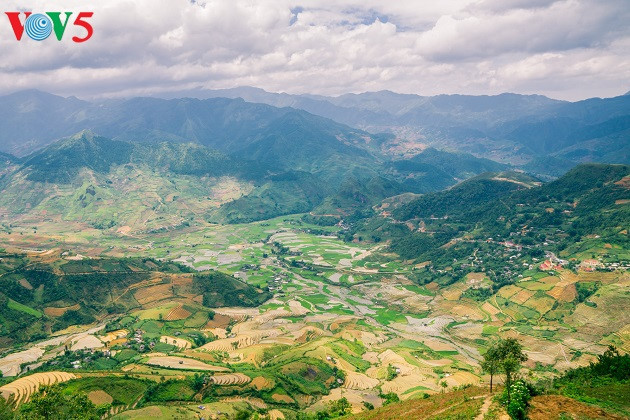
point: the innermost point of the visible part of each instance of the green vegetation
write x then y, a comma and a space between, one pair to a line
124, 391
605, 383
51, 404
219, 289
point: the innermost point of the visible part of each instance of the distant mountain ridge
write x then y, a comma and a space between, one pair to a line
508, 126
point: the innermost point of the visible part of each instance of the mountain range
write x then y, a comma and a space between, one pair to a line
279, 157
511, 127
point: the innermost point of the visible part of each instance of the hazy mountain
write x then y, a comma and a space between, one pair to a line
30, 119
511, 127
290, 129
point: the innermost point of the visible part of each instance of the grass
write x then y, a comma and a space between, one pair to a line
171, 390
415, 388
412, 344
124, 391
419, 290
16, 306
489, 330
357, 362
386, 316
535, 285
316, 299
455, 405
609, 395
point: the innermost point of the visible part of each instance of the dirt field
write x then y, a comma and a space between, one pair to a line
261, 383
153, 293
55, 312
219, 321
552, 407
100, 397
282, 398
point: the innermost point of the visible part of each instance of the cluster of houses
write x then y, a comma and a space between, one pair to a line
275, 284
138, 339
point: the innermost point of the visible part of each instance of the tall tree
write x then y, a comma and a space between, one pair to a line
511, 357
491, 363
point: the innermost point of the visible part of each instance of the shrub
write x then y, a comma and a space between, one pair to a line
519, 400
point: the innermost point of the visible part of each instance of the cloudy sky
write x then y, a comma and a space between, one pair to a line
567, 49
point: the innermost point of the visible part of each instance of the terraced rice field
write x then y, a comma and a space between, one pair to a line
230, 379
177, 342
356, 380
176, 314
22, 389
183, 363
240, 341
114, 335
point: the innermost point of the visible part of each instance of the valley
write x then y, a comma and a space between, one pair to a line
299, 268
344, 319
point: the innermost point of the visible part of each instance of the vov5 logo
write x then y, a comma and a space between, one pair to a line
39, 26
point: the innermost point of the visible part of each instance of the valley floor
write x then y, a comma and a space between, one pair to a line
346, 321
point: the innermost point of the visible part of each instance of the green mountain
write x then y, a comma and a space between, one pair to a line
434, 170
358, 194
589, 201
285, 193
463, 199
61, 162
113, 183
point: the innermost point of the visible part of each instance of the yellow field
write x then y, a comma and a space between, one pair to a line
183, 363
230, 379
56, 312
22, 389
177, 342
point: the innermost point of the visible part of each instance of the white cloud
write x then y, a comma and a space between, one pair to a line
319, 46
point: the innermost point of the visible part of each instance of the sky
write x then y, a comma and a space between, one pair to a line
566, 49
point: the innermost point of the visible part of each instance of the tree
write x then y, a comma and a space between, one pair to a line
444, 385
198, 381
511, 356
340, 407
491, 363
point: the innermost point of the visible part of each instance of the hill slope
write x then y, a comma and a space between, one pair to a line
42, 296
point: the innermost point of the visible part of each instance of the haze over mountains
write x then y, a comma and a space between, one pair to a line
282, 158
520, 126
508, 127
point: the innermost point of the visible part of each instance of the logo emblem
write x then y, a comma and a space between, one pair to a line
38, 27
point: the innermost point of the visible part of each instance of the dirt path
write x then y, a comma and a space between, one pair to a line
437, 413
484, 408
